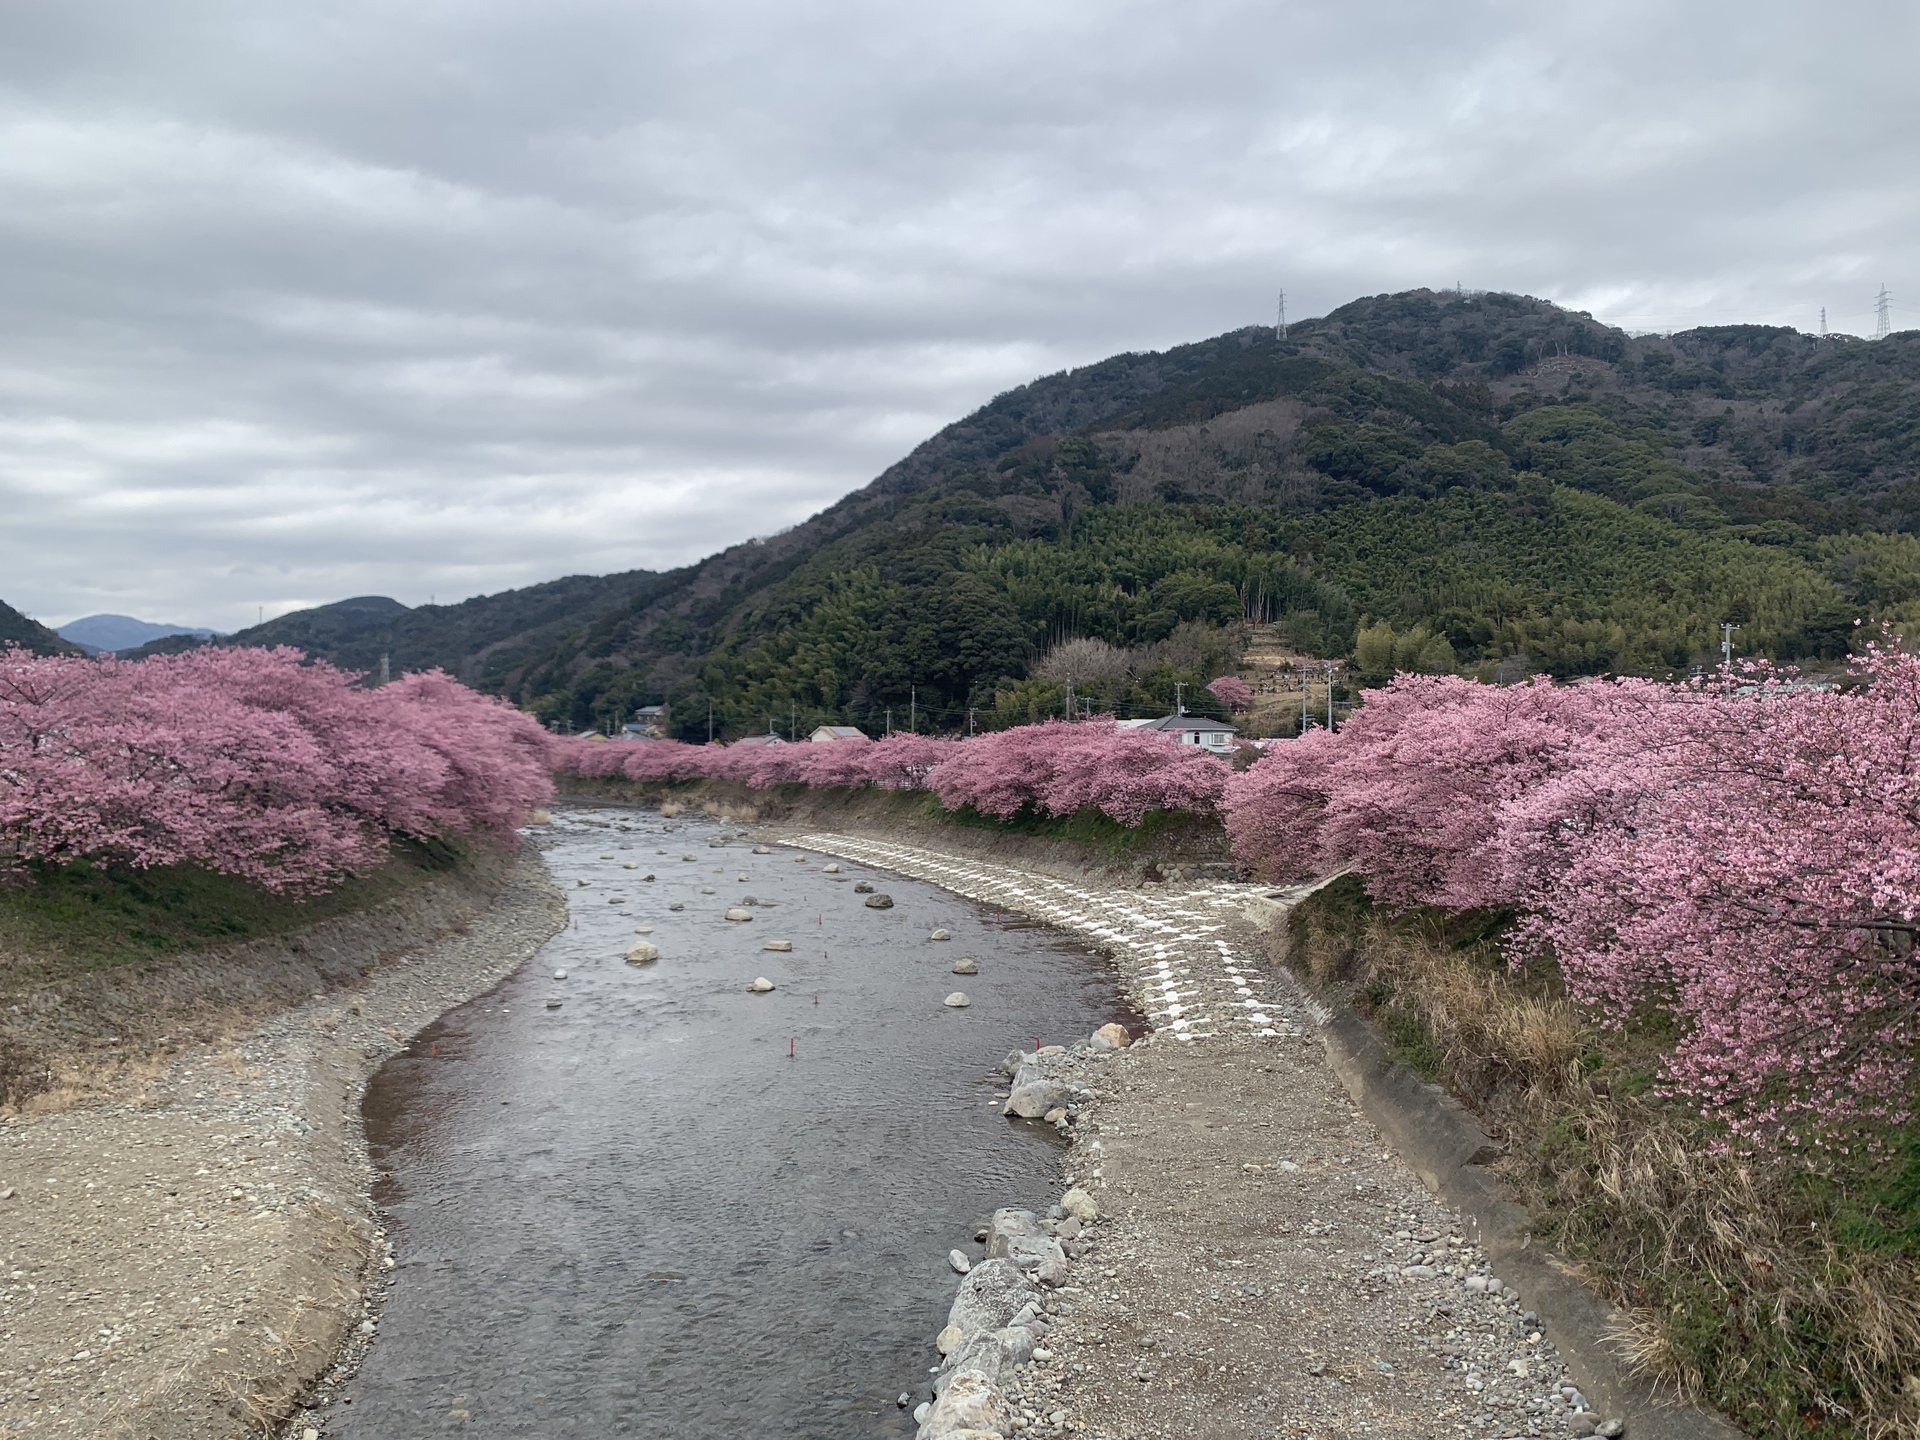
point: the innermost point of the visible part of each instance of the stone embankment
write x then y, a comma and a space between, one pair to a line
1236, 1254
185, 1256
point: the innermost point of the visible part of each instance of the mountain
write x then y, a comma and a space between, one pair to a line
95, 633
17, 629
484, 641
1448, 480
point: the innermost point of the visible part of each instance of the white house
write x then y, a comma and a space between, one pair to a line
829, 734
1214, 735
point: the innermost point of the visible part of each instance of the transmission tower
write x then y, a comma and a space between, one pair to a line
1280, 318
1823, 319
1882, 314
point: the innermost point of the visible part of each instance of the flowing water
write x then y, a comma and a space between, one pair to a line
636, 1214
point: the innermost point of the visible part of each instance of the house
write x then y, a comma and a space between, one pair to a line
754, 742
1214, 735
648, 723
828, 734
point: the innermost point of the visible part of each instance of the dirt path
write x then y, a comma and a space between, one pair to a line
183, 1261
1264, 1267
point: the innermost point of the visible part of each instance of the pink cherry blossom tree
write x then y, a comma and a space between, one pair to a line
254, 763
1231, 691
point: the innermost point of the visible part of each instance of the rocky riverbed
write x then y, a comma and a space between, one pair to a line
1235, 1254
185, 1258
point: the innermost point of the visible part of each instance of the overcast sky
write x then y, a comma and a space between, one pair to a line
304, 301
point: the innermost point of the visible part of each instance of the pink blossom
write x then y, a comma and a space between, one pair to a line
1231, 692
252, 763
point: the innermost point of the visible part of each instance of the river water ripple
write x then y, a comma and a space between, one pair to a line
635, 1215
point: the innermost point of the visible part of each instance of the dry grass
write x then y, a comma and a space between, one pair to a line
1783, 1292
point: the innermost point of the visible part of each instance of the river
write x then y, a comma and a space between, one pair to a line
668, 1207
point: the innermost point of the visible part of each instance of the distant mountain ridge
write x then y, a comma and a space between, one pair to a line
1483, 480
96, 633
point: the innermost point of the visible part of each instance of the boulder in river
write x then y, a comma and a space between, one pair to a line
994, 1353
761, 850
940, 935
1017, 1235
1036, 1098
829, 869
677, 905
879, 902
1114, 1034
642, 952
738, 914
949, 1339
971, 1404
863, 887
966, 967
957, 1001
761, 985
959, 1261
992, 1293
1080, 1205
781, 945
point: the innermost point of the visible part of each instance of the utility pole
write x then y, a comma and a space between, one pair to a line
1306, 712
385, 673
1280, 318
1330, 665
709, 722
913, 710
889, 719
793, 721
970, 722
1069, 700
1179, 698
1882, 314
1727, 628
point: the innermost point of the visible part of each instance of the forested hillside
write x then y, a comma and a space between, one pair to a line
1479, 482
17, 629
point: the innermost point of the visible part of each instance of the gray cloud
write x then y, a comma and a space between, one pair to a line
302, 302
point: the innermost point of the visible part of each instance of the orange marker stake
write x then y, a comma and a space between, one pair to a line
433, 1047
789, 1049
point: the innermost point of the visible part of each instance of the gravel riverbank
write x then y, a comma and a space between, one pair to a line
1260, 1266
185, 1258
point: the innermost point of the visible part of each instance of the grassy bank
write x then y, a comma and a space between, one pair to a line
105, 971
1163, 841
58, 922
1784, 1292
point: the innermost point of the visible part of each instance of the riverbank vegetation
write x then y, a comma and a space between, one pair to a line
1661, 938
280, 773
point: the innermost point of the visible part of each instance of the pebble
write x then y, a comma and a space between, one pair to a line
761, 985
559, 974
966, 967
957, 1000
